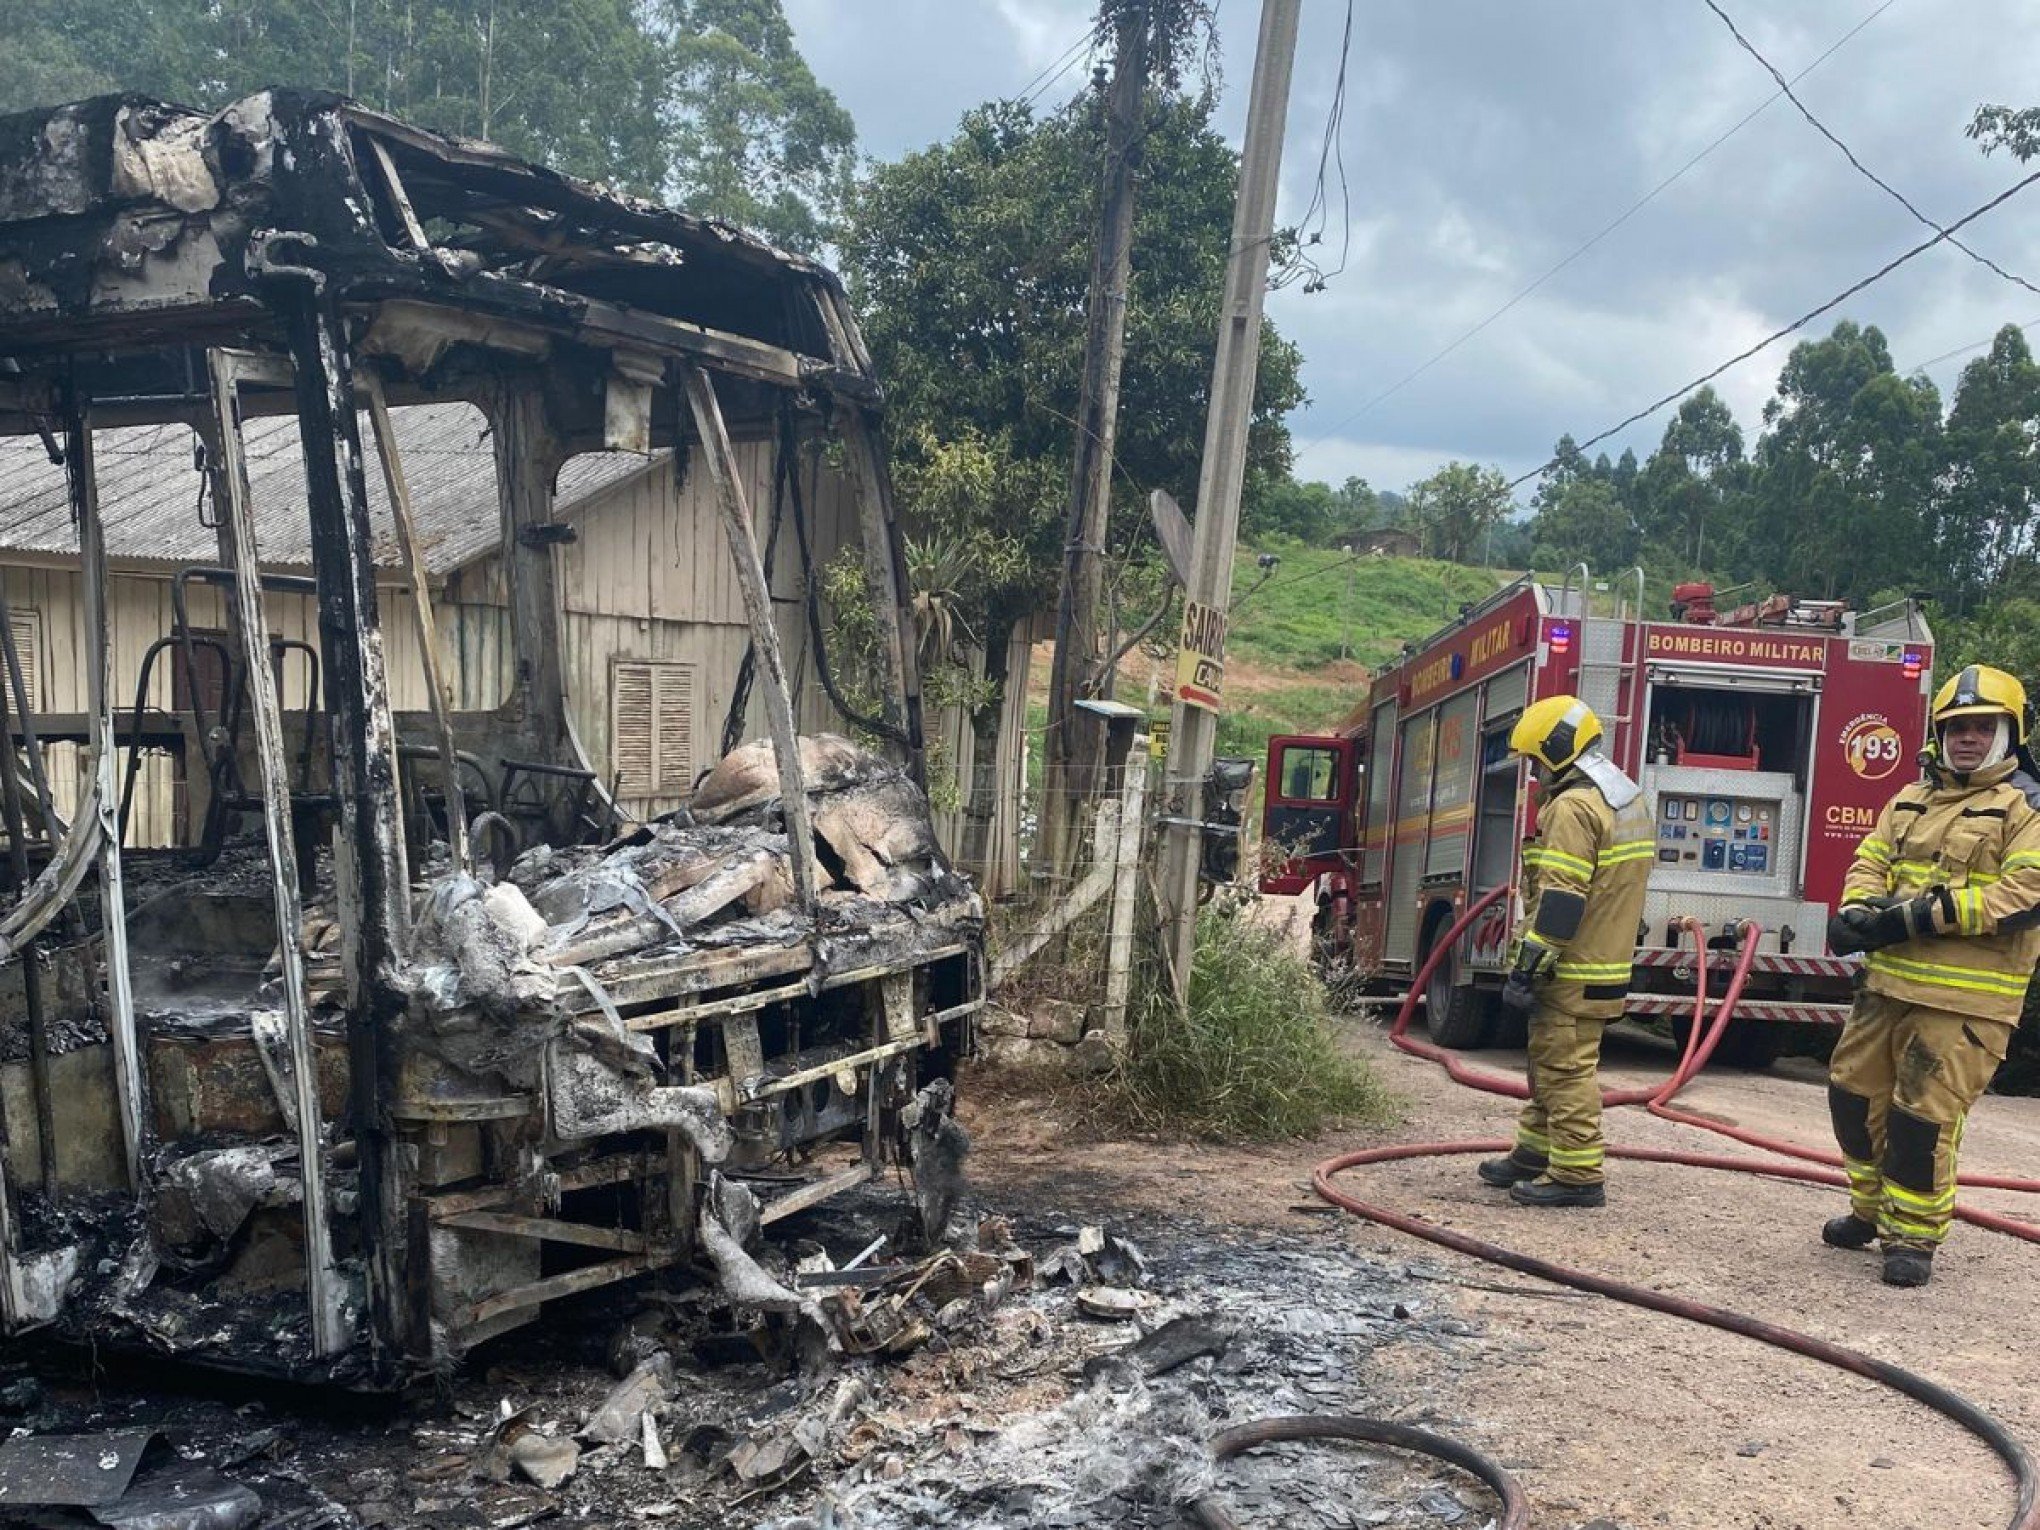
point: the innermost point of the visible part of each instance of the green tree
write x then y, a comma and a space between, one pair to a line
571, 83
1457, 507
1847, 468
1586, 523
751, 136
704, 103
1315, 513
1991, 487
2017, 132
969, 262
1684, 488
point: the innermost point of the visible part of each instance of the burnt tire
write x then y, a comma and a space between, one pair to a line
1750, 1045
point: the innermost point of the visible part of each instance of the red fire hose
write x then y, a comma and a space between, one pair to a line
1700, 1046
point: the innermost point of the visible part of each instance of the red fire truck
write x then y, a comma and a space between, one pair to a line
1766, 737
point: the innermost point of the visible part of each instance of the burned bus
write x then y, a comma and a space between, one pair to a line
354, 1004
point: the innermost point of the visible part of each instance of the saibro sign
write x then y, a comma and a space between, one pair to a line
1200, 657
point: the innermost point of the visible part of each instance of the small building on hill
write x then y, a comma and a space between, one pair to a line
1390, 542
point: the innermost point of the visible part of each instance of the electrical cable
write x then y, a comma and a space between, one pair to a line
1631, 211
1067, 62
1797, 324
1333, 151
874, 725
1974, 345
1025, 93
1785, 88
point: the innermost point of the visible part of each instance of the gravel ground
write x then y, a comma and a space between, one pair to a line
1614, 1419
1616, 1416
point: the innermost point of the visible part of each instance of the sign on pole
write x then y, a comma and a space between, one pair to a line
1200, 657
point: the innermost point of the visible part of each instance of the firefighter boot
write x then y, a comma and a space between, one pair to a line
1544, 1191
1504, 1172
1908, 1266
1848, 1232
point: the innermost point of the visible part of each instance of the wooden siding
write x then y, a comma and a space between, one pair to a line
648, 578
139, 611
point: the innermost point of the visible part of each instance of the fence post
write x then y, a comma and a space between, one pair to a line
1131, 842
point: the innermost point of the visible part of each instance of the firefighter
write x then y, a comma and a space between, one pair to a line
1944, 896
1583, 883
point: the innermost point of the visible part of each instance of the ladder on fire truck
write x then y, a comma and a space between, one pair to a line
1611, 647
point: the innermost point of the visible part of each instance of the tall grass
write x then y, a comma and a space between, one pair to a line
1256, 1058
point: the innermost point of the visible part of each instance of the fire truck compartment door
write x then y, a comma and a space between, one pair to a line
1717, 677
1309, 809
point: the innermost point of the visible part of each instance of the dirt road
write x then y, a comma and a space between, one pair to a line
1614, 1416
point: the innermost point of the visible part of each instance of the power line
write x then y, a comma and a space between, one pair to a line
1785, 88
1797, 324
1332, 152
1974, 345
1044, 82
1634, 208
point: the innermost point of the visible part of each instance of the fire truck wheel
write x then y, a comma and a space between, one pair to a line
1460, 1016
1751, 1045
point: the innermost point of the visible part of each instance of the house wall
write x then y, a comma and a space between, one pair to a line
648, 578
139, 611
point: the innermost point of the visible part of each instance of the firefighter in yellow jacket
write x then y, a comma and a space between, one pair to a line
1583, 884
1944, 895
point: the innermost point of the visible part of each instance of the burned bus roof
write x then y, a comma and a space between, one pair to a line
128, 223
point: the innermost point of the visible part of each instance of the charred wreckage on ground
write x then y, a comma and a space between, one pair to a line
402, 1065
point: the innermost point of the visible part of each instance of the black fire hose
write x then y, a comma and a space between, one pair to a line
1210, 1512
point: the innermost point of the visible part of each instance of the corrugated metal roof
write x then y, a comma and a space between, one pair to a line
149, 491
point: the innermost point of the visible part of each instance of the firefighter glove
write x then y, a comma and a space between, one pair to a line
1921, 918
1534, 962
1519, 993
1848, 931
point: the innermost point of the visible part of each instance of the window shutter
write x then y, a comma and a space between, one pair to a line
630, 727
27, 626
652, 710
675, 739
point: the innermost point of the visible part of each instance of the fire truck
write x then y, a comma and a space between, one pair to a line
1767, 737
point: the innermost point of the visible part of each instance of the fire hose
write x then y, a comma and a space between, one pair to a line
1811, 1165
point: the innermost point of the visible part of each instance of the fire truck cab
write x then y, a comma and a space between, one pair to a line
1766, 737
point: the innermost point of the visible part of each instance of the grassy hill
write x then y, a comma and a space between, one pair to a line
1284, 670
1320, 602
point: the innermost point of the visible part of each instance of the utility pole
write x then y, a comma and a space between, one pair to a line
1346, 637
1195, 727
1071, 759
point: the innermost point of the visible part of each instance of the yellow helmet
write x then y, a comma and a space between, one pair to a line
1980, 691
1555, 731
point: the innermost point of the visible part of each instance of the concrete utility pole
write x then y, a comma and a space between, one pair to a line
1072, 755
1195, 726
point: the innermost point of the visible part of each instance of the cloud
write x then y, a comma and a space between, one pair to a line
1486, 144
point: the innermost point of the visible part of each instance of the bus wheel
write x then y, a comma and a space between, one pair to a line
1751, 1045
1458, 1015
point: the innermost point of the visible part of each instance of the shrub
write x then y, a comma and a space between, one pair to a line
1256, 1058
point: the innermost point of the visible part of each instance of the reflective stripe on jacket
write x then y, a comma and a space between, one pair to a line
1604, 855
1980, 839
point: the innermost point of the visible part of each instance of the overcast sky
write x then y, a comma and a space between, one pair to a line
1485, 141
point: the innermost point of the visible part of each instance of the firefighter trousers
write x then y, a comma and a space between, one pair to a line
1561, 1122
1899, 1089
